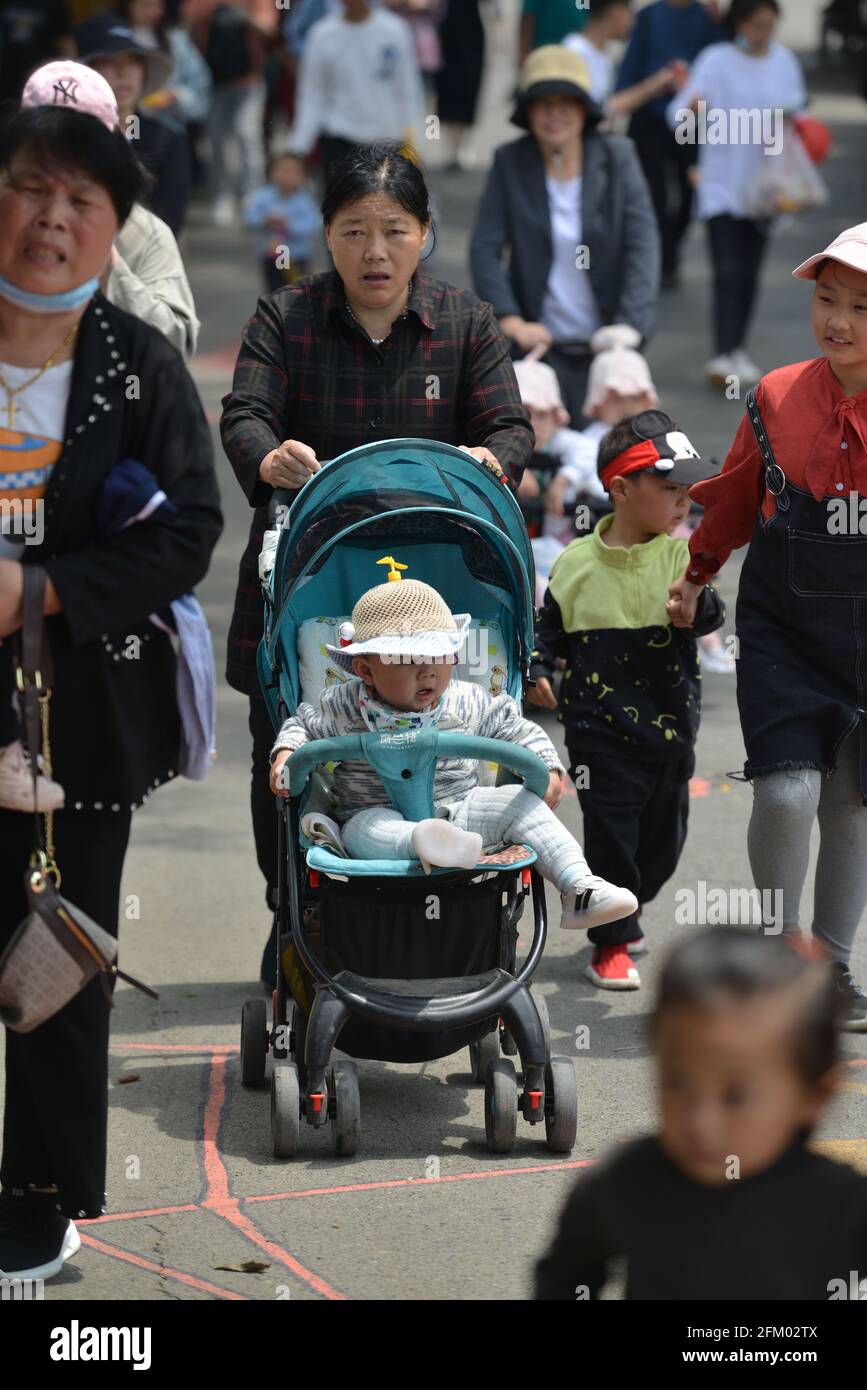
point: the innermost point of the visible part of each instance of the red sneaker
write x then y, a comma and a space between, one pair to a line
611, 968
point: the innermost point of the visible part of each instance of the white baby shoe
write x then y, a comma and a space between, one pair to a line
439, 844
595, 901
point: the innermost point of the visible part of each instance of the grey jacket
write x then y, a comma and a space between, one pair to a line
149, 279
618, 226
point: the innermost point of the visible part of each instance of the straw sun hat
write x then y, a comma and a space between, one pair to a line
401, 619
553, 70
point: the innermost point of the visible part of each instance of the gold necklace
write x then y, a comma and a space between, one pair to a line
377, 342
13, 391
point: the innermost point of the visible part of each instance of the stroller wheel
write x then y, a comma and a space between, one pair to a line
285, 1110
561, 1105
346, 1116
486, 1050
254, 1042
501, 1106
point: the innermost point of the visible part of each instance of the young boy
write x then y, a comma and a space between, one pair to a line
404, 644
283, 214
726, 1201
630, 699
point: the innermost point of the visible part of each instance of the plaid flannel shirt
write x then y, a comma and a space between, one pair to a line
307, 371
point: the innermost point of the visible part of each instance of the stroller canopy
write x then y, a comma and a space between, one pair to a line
449, 519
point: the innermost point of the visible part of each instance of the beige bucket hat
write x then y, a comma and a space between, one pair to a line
402, 619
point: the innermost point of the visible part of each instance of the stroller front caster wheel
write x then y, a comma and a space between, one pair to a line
501, 1106
254, 1043
486, 1050
346, 1113
285, 1110
561, 1105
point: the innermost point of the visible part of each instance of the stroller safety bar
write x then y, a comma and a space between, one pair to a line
406, 762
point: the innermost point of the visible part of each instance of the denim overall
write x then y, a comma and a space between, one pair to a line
802, 629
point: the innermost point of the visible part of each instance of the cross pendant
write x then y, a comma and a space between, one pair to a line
10, 412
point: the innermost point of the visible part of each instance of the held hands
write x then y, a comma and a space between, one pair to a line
683, 602
542, 694
289, 465
11, 590
276, 768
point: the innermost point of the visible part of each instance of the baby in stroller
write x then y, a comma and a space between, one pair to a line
402, 645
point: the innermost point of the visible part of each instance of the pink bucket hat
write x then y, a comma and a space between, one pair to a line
849, 248
72, 87
538, 384
617, 368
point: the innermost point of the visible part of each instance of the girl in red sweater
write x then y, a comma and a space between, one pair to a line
794, 485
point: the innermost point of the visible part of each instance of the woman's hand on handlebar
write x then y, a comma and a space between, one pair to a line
542, 694
289, 465
275, 779
484, 456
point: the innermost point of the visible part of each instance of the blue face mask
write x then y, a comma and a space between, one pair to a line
743, 43
49, 303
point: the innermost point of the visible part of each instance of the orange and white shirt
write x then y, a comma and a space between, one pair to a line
29, 447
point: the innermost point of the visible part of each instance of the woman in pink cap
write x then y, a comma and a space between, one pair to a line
795, 486
85, 390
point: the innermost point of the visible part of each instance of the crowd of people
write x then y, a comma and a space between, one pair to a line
541, 379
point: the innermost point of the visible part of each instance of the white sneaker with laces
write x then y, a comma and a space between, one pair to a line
594, 901
719, 369
745, 368
16, 782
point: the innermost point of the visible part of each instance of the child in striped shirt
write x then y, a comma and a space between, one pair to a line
405, 642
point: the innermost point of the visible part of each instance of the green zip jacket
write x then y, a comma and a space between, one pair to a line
632, 684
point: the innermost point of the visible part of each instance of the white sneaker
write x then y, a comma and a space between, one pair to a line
439, 844
719, 369
594, 901
745, 368
223, 211
16, 782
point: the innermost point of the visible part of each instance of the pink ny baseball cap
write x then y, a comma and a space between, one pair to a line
72, 87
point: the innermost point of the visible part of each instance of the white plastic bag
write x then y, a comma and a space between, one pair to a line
786, 182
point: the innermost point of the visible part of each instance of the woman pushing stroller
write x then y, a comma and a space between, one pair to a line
404, 642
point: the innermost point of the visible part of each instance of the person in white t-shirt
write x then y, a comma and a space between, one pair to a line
610, 23
749, 76
358, 83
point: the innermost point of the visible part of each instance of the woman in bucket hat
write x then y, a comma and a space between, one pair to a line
795, 486
572, 207
402, 645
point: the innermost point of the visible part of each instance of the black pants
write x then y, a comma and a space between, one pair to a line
737, 247
262, 801
333, 149
56, 1108
666, 166
572, 367
10, 728
635, 817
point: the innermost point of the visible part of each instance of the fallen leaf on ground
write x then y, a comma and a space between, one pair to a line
125, 1080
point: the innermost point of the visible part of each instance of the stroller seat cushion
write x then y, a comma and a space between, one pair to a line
484, 657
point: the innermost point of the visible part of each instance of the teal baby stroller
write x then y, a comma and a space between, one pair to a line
377, 957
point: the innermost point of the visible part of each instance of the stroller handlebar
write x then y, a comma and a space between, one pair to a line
358, 747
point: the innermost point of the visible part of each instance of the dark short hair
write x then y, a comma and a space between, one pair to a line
742, 10
599, 7
379, 168
743, 965
63, 139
